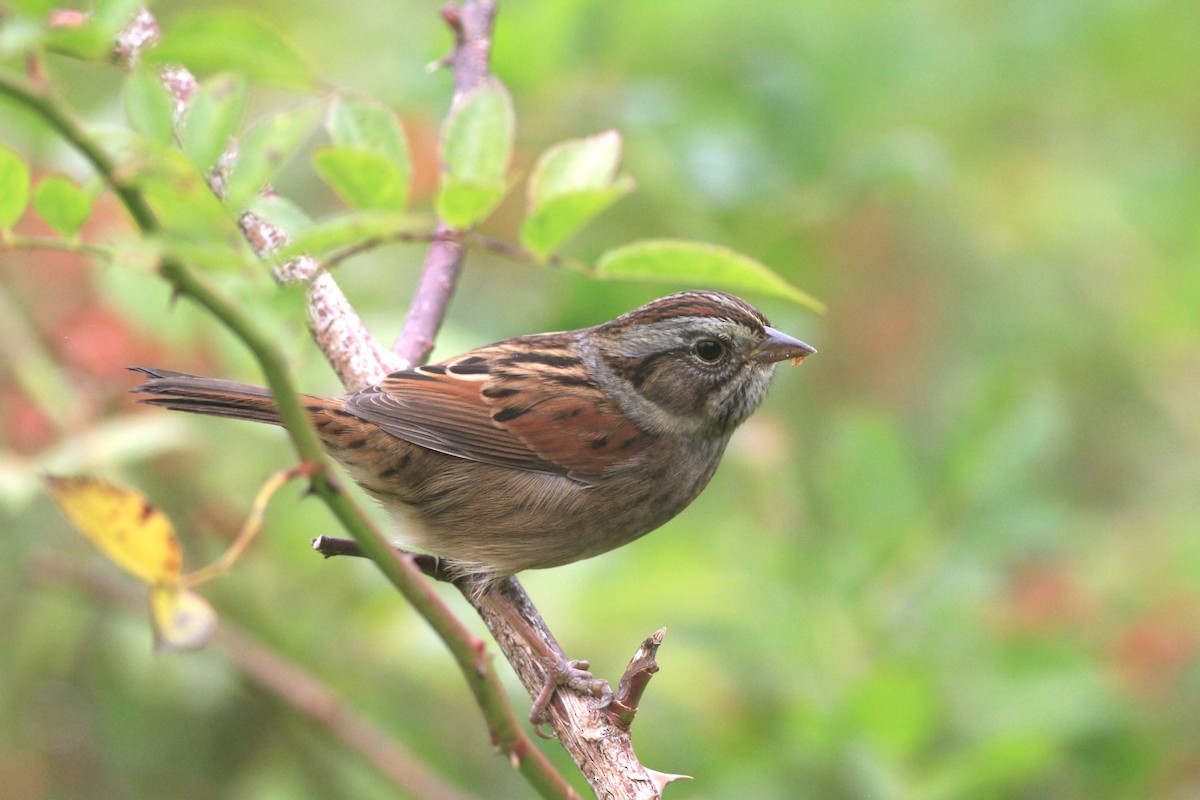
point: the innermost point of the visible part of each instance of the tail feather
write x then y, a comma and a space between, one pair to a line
199, 395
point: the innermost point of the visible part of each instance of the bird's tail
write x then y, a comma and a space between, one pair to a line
211, 396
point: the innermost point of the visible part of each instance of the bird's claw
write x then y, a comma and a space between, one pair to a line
572, 674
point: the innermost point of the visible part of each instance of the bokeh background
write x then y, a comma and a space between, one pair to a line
956, 555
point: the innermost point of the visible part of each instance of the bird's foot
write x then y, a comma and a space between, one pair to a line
571, 674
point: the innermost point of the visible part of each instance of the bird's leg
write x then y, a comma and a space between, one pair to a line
557, 668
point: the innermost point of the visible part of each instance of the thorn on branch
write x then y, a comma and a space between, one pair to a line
661, 779
452, 16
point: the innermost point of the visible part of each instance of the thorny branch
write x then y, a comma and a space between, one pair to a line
597, 740
471, 24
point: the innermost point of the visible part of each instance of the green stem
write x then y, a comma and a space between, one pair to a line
467, 649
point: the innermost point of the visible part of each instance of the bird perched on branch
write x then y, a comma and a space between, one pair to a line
540, 450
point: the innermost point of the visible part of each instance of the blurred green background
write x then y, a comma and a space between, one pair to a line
954, 556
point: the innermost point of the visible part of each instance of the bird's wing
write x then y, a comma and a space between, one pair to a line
525, 403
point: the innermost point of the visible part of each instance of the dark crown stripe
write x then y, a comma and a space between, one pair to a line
695, 304
700, 308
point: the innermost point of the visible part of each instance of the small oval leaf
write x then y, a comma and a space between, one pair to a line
477, 139
86, 41
182, 200
14, 187
363, 178
264, 150
149, 107
213, 117
234, 40
367, 124
561, 217
120, 521
575, 166
463, 205
62, 204
697, 263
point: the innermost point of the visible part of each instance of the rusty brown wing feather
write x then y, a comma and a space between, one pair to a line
506, 404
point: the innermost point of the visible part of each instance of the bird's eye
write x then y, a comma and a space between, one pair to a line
709, 350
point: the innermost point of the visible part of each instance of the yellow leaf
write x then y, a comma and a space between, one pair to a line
183, 620
126, 527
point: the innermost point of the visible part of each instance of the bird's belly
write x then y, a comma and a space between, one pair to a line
497, 521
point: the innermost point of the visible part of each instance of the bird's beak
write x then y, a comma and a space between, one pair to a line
778, 346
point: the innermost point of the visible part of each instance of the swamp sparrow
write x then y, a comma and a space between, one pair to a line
545, 449
540, 450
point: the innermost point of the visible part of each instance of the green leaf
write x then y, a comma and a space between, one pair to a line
698, 264
571, 184
559, 218
264, 150
85, 42
213, 117
463, 205
182, 201
14, 187
344, 230
148, 105
573, 166
363, 132
476, 148
477, 139
234, 40
62, 203
366, 124
363, 178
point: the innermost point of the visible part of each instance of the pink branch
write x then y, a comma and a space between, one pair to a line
472, 27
